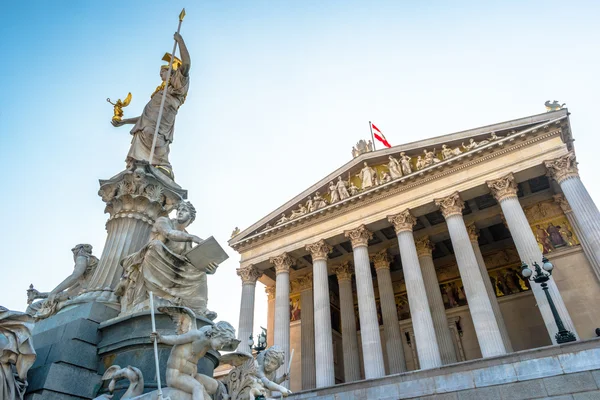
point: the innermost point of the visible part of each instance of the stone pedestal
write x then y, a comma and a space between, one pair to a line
134, 199
126, 341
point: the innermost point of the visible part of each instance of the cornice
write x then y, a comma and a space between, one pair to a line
444, 168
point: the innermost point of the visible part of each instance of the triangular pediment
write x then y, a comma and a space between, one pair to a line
373, 171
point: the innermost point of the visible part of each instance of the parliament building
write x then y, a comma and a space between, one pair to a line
410, 258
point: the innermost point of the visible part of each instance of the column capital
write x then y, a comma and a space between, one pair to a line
249, 274
563, 203
424, 246
319, 250
282, 263
503, 188
303, 283
451, 205
563, 168
473, 232
359, 236
270, 291
344, 271
381, 260
403, 221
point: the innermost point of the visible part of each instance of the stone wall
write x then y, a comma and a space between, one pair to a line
568, 371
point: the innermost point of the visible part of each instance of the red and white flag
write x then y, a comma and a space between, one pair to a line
379, 136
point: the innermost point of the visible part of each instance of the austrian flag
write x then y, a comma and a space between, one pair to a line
379, 136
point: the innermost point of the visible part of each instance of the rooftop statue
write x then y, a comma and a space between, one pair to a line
162, 267
17, 354
554, 106
144, 126
70, 287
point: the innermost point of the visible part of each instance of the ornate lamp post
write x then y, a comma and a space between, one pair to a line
541, 277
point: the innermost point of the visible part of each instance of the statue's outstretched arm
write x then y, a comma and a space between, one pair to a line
186, 61
80, 267
125, 121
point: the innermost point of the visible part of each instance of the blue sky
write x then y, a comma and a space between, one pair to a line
280, 91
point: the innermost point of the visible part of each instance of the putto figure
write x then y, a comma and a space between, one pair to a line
145, 124
162, 267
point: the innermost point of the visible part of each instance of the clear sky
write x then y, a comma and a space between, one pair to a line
280, 91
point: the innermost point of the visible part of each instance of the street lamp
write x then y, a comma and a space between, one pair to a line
542, 275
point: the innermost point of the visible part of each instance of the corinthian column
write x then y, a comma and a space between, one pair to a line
270, 291
436, 303
349, 335
486, 327
307, 329
323, 335
391, 328
474, 237
583, 239
564, 170
505, 192
367, 311
282, 307
134, 199
427, 345
249, 275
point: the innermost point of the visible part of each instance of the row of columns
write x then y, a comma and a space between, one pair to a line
432, 333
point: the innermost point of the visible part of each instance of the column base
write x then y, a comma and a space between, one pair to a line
565, 337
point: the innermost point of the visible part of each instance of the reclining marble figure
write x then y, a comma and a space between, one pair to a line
70, 287
162, 267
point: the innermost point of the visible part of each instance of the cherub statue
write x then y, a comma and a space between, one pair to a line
448, 152
405, 162
190, 344
385, 177
162, 267
352, 188
118, 107
253, 379
71, 286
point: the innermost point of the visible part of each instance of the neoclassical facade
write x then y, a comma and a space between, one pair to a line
410, 257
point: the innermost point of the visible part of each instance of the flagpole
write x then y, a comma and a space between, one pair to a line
162, 101
372, 137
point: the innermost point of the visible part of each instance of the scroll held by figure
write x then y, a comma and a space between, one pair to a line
144, 126
170, 267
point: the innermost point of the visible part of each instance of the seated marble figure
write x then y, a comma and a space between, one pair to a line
161, 267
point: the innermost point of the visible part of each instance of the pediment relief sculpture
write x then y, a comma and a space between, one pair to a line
367, 176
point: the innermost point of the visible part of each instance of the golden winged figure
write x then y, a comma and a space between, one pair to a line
119, 107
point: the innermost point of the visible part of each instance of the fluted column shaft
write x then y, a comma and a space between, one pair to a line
427, 346
505, 191
369, 325
564, 170
308, 337
486, 327
249, 275
436, 303
349, 334
391, 328
282, 309
583, 239
322, 309
490, 291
